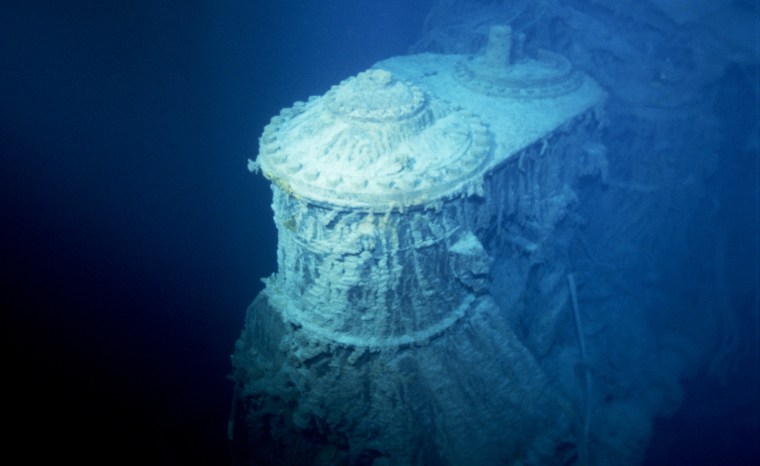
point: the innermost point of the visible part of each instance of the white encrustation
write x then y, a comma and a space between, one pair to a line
379, 340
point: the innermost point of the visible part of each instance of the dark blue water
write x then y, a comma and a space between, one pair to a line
133, 237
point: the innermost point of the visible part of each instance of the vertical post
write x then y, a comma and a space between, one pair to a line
499, 45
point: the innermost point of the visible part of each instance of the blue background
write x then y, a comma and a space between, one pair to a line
134, 238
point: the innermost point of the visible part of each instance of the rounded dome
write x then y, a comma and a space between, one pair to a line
547, 75
374, 142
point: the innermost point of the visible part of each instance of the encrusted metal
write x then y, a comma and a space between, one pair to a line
378, 338
503, 73
374, 142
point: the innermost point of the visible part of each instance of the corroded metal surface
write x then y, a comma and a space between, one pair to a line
378, 337
546, 76
374, 142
